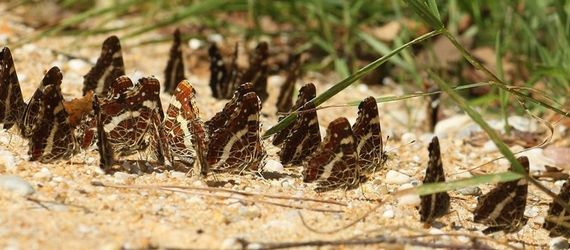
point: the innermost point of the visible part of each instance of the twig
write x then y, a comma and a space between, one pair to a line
343, 227
187, 190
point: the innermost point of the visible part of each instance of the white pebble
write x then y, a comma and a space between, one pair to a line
558, 243
395, 177
16, 185
178, 175
273, 166
531, 212
194, 44
489, 147
388, 213
120, 177
76, 65
7, 160
231, 243
215, 38
363, 88
43, 174
408, 138
249, 212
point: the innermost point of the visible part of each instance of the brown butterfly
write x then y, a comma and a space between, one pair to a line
503, 207
368, 134
12, 104
558, 218
306, 93
302, 137
433, 206
285, 99
46, 124
257, 71
224, 79
236, 146
222, 118
186, 138
174, 72
335, 163
109, 66
127, 113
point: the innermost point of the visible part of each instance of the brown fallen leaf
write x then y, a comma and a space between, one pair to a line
78, 108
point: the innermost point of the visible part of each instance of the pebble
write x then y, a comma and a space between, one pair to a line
473, 191
363, 88
558, 243
388, 213
178, 175
395, 177
16, 185
43, 174
120, 177
489, 147
77, 64
531, 212
249, 212
451, 125
215, 38
7, 160
273, 166
408, 138
537, 159
194, 44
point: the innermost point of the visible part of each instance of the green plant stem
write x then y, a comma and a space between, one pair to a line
347, 82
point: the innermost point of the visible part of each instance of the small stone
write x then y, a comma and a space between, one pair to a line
231, 243
539, 220
120, 177
249, 212
7, 160
273, 166
194, 44
178, 175
473, 191
90, 161
395, 177
215, 38
388, 213
76, 64
43, 174
558, 243
16, 185
408, 138
489, 147
363, 88
531, 212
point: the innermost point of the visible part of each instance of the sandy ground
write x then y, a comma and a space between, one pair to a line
67, 212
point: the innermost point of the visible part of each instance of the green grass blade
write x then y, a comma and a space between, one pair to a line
432, 188
426, 13
347, 82
475, 116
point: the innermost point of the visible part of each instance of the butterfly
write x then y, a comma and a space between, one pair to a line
306, 93
257, 71
106, 152
222, 118
558, 218
127, 111
108, 67
236, 146
368, 134
174, 72
223, 78
12, 103
185, 134
435, 205
503, 207
335, 163
285, 99
46, 124
302, 137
